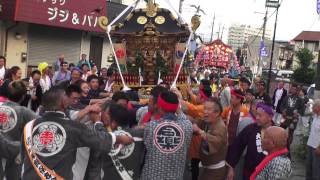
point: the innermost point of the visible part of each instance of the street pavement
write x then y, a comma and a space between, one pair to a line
298, 170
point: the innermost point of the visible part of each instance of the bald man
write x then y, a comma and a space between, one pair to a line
277, 164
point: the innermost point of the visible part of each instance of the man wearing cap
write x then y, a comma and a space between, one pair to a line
250, 138
262, 94
277, 164
167, 141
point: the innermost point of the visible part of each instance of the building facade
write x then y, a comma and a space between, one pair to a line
30, 40
252, 53
286, 55
309, 40
239, 34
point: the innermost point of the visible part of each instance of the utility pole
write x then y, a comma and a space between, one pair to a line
180, 6
317, 79
219, 31
212, 26
222, 32
272, 48
262, 39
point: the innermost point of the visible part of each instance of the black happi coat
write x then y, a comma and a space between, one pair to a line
61, 157
130, 157
13, 118
8, 150
249, 138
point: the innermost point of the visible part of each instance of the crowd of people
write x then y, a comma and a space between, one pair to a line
73, 124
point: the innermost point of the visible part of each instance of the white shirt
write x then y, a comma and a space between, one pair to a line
314, 138
86, 75
108, 87
2, 72
279, 93
45, 83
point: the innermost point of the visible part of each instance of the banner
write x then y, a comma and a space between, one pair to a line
179, 50
120, 49
263, 50
318, 7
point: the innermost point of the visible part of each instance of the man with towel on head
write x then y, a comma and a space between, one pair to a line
250, 138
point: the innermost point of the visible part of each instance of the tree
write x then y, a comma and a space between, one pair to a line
304, 74
160, 65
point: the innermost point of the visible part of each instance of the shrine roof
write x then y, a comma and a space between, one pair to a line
217, 41
136, 21
114, 9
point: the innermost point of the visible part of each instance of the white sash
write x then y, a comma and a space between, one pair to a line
42, 170
116, 162
219, 165
120, 168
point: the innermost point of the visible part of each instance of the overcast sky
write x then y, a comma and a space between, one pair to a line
294, 15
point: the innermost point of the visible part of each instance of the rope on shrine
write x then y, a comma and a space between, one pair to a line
125, 87
174, 83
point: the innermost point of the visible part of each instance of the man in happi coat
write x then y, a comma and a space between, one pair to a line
13, 118
236, 117
145, 114
292, 107
195, 110
167, 141
50, 142
277, 164
250, 138
214, 144
125, 162
7, 149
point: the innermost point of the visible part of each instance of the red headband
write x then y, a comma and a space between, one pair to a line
233, 92
167, 106
203, 95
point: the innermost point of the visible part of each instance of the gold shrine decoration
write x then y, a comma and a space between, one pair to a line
103, 22
195, 21
179, 50
120, 52
142, 20
151, 8
160, 20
